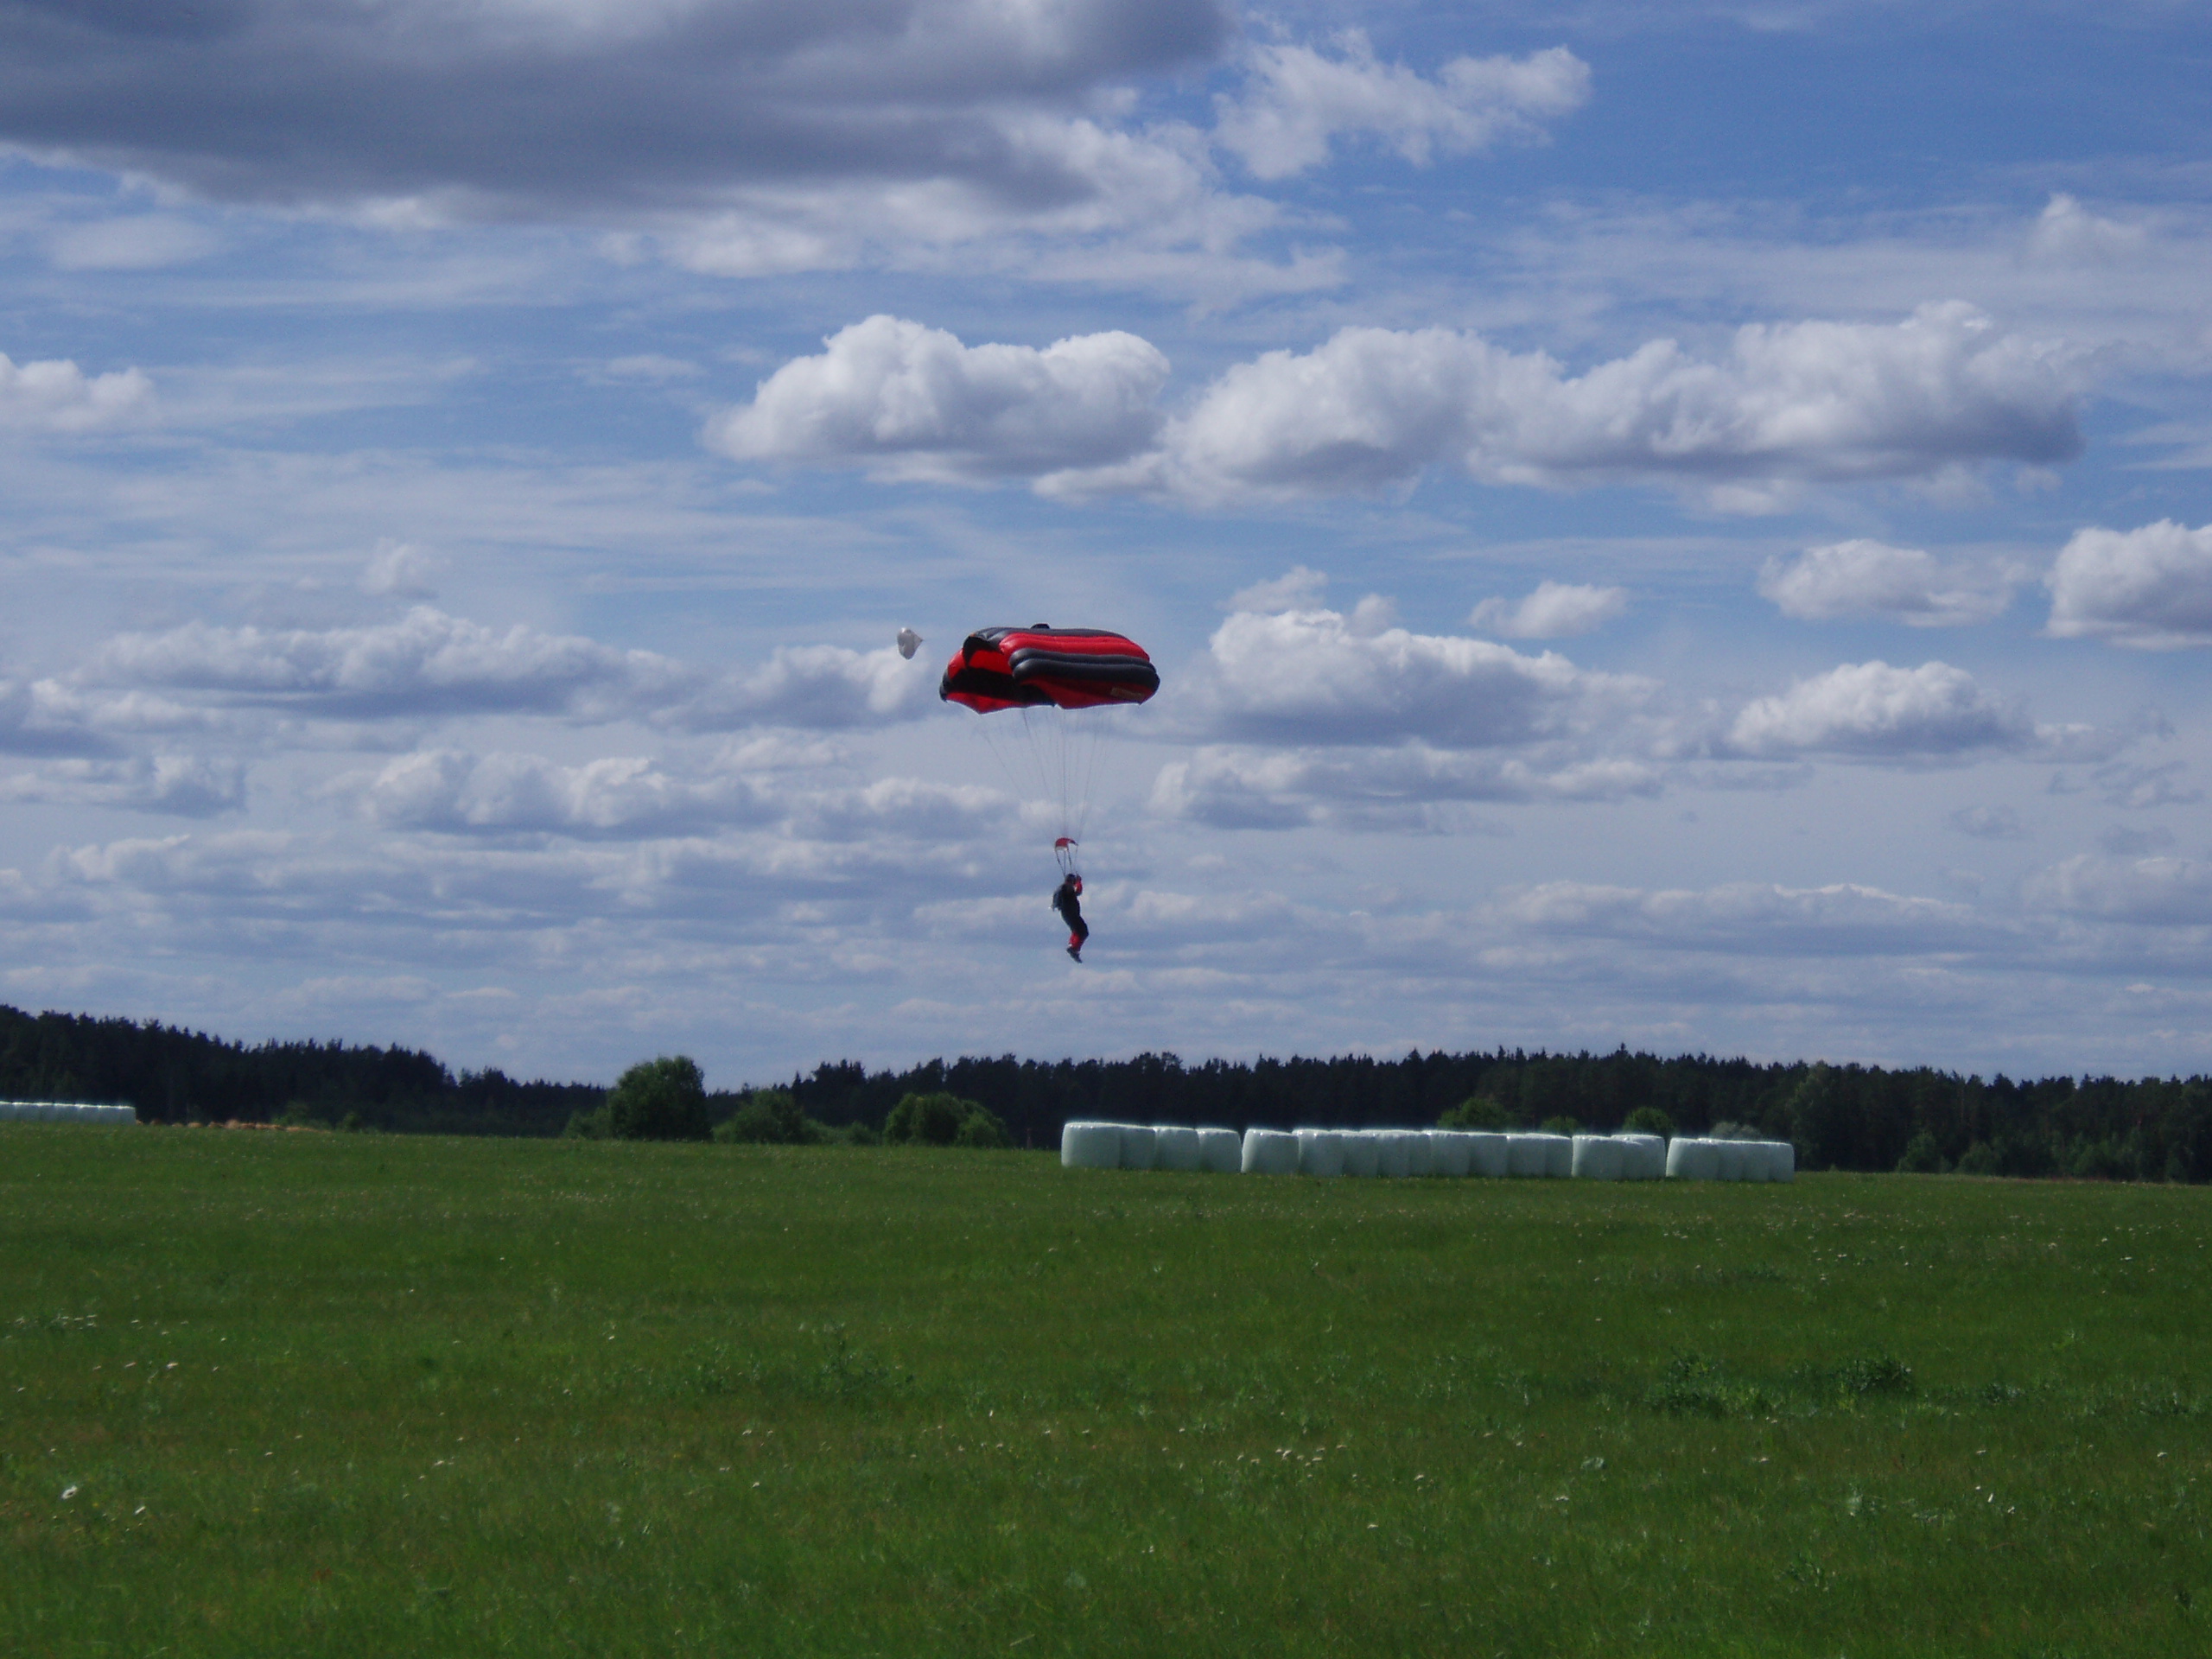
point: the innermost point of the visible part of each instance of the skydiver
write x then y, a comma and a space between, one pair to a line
1068, 900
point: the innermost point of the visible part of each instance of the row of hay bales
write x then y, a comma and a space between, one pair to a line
1402, 1152
56, 1111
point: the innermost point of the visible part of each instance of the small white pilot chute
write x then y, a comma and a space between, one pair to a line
909, 643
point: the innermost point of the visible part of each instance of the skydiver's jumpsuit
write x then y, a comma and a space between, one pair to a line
1068, 900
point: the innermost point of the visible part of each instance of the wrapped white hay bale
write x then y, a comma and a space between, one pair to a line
1420, 1152
1559, 1156
1782, 1160
1271, 1152
1360, 1150
1393, 1157
1221, 1152
1174, 1148
1320, 1152
1138, 1149
1090, 1146
1758, 1160
1596, 1158
1524, 1155
1691, 1158
1488, 1155
1644, 1157
1448, 1151
1729, 1158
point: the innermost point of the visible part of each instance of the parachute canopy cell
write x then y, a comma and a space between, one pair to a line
1065, 668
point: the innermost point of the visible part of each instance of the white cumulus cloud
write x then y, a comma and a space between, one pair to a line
428, 662
815, 688
2163, 891
1873, 709
1556, 610
1378, 726
908, 401
184, 785
402, 570
1790, 403
2149, 588
1312, 677
1872, 579
1297, 100
1759, 918
55, 395
1404, 786
631, 795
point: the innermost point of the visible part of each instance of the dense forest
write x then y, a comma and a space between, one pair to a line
1840, 1117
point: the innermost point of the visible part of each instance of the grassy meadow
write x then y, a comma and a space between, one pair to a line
358, 1394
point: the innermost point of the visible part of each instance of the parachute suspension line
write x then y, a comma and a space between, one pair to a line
1053, 675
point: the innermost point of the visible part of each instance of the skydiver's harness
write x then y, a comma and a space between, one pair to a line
1067, 899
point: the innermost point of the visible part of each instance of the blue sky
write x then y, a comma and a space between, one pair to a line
1677, 525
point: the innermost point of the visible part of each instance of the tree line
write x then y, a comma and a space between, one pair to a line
1840, 1118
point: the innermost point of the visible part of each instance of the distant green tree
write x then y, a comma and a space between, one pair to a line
770, 1117
659, 1100
1821, 1113
1921, 1156
1476, 1112
981, 1128
1979, 1159
943, 1120
1561, 1126
1649, 1120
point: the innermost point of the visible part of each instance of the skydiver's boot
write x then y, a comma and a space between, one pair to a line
1076, 950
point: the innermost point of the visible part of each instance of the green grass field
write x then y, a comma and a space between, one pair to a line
295, 1394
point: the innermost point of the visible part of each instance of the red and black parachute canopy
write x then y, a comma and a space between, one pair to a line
1029, 668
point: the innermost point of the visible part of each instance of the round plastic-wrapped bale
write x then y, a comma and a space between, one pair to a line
1689, 1159
1271, 1152
1781, 1165
1361, 1152
1320, 1152
1174, 1148
1488, 1154
1420, 1152
1728, 1159
1644, 1157
1758, 1160
1221, 1152
1524, 1155
1559, 1156
1596, 1158
1393, 1158
1449, 1151
1138, 1150
1090, 1146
